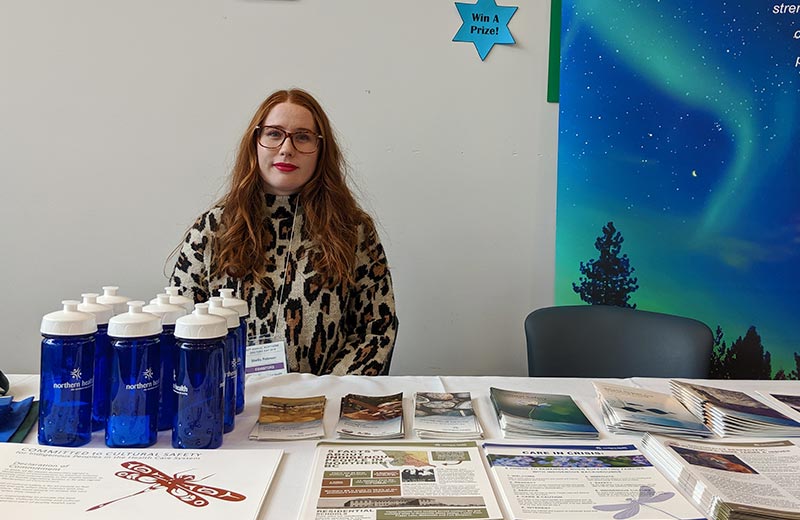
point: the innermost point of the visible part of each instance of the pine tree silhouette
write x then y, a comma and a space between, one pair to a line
795, 374
607, 280
720, 357
748, 359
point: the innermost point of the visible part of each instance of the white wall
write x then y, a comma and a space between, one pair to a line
119, 122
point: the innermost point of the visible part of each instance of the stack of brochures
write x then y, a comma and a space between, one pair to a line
371, 417
289, 419
583, 481
524, 414
445, 415
732, 481
730, 413
628, 409
382, 480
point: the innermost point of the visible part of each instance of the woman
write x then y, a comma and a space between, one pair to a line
291, 240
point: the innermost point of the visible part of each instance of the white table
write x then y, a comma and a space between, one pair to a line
287, 490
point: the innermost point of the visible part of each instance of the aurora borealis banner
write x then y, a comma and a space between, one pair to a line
679, 124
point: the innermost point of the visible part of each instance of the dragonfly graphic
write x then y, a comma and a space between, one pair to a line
629, 509
183, 487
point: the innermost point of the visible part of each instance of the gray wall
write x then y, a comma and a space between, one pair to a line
119, 122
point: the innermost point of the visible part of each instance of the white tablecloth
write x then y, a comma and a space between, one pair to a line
286, 493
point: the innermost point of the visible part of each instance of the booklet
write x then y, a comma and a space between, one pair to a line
524, 414
289, 418
371, 417
628, 409
731, 413
441, 415
382, 481
787, 403
733, 480
120, 484
583, 482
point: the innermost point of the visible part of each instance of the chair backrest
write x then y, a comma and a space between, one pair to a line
608, 341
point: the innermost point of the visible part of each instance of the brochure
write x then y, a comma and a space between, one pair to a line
792, 401
441, 415
382, 481
583, 482
731, 413
789, 404
628, 409
118, 484
371, 417
525, 414
733, 480
289, 418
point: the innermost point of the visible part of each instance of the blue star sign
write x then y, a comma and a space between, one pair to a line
484, 24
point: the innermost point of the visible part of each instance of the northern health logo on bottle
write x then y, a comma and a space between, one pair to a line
150, 381
78, 384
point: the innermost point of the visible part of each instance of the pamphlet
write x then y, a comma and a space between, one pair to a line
443, 415
792, 401
583, 482
732, 413
371, 417
630, 409
732, 480
118, 484
525, 414
382, 481
787, 403
289, 418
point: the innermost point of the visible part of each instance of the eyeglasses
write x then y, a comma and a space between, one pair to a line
272, 137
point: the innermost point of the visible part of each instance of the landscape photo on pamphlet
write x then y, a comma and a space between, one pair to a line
707, 459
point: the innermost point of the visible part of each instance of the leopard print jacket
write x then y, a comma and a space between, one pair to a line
327, 330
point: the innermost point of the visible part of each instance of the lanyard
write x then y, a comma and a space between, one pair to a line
286, 257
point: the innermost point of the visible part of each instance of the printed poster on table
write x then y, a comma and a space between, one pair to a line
584, 482
399, 480
118, 484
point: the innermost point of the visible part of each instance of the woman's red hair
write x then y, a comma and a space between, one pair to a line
332, 215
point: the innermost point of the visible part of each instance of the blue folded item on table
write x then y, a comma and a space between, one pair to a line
10, 421
5, 406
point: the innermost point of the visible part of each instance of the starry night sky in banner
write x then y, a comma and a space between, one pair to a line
680, 122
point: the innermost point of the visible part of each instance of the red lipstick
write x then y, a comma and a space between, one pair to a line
284, 167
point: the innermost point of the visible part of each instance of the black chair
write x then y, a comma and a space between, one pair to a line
4, 385
606, 341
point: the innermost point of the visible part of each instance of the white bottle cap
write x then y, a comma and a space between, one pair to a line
215, 307
69, 321
102, 313
236, 304
165, 310
175, 298
134, 323
110, 297
201, 325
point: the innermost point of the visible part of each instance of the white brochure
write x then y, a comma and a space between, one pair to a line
42, 482
583, 482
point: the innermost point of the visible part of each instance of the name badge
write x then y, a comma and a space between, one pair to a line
265, 357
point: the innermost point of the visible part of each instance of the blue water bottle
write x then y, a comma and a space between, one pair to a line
231, 357
66, 376
199, 380
166, 397
135, 372
102, 358
115, 301
239, 306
